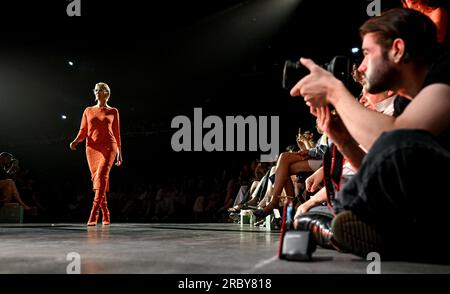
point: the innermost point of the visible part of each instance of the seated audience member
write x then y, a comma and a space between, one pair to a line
8, 189
292, 163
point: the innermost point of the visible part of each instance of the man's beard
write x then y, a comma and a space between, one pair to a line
383, 77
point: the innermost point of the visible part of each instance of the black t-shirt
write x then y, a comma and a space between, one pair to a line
400, 104
440, 73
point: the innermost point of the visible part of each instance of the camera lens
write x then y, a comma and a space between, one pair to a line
292, 73
339, 66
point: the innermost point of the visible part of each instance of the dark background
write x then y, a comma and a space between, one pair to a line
160, 60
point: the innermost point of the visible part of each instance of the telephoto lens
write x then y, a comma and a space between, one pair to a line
292, 73
339, 66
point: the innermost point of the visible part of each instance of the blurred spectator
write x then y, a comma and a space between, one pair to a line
9, 168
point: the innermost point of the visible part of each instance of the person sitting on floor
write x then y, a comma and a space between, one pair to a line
8, 189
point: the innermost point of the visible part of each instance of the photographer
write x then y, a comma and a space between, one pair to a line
8, 190
388, 206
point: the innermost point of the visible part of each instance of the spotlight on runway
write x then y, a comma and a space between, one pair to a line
355, 50
63, 117
71, 63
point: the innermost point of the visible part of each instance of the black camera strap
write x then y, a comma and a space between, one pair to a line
333, 162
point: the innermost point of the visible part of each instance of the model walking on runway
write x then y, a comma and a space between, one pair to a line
100, 126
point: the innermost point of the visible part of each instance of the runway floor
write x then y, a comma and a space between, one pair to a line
130, 248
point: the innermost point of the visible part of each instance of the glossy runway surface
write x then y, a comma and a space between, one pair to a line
129, 248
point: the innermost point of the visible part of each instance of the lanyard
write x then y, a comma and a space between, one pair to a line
332, 170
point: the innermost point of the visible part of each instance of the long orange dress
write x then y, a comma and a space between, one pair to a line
100, 125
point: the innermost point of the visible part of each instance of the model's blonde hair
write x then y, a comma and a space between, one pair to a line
105, 87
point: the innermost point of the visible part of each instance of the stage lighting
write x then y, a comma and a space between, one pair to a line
71, 63
63, 116
355, 50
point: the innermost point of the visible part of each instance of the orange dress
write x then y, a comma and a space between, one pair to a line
100, 125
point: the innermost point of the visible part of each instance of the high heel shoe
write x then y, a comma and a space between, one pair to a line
261, 213
93, 218
106, 217
236, 208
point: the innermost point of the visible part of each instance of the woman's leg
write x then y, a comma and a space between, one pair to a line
102, 179
289, 187
93, 218
288, 163
105, 211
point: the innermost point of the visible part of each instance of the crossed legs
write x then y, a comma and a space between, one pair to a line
99, 203
289, 163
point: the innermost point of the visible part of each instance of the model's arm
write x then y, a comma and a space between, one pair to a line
82, 134
116, 130
428, 110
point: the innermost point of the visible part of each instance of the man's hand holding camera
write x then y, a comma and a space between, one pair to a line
318, 87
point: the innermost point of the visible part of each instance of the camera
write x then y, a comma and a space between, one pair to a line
340, 66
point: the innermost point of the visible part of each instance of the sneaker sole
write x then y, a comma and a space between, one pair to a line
354, 236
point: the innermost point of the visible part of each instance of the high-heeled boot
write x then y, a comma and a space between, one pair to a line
106, 219
93, 218
319, 227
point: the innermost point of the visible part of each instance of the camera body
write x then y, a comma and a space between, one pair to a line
340, 66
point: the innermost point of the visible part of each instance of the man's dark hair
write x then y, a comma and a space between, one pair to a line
416, 29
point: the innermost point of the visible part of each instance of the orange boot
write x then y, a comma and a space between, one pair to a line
93, 218
105, 211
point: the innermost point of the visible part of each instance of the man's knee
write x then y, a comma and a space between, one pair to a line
405, 140
407, 137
